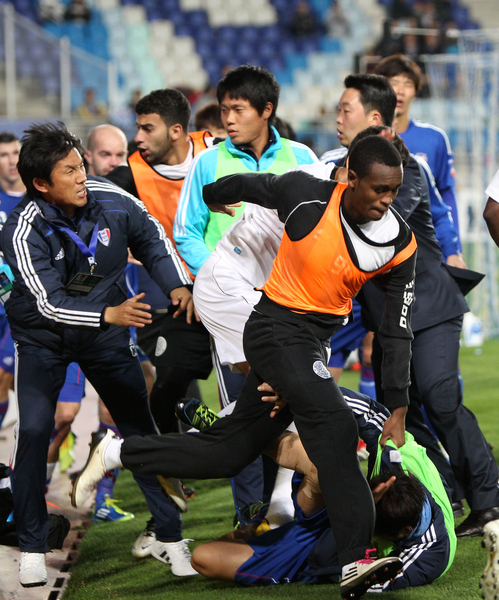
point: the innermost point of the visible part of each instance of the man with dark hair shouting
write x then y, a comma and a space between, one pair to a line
67, 245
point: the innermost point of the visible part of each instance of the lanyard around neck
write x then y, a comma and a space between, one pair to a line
88, 251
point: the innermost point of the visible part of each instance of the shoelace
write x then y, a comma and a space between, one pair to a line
368, 558
184, 548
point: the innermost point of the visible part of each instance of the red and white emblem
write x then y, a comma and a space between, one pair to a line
104, 236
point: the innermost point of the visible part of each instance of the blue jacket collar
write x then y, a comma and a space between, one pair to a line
273, 145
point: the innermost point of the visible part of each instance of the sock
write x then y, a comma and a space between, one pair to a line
50, 472
366, 383
3, 410
106, 486
53, 435
113, 428
112, 456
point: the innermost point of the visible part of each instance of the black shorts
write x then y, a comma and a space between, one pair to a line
170, 342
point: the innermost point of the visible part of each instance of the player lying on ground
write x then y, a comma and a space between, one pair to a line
420, 534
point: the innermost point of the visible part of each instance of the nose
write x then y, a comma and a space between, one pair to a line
138, 138
82, 175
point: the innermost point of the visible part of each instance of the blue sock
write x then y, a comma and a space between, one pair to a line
366, 383
3, 410
53, 435
106, 486
113, 428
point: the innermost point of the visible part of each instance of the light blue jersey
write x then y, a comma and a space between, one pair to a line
192, 215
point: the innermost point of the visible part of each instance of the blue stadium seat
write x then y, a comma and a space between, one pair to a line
270, 34
328, 44
154, 14
197, 19
226, 35
204, 35
296, 61
250, 35
283, 76
51, 84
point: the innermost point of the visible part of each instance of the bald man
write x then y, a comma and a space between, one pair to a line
106, 149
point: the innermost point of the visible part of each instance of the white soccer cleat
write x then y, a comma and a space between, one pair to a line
359, 576
32, 570
177, 555
143, 544
489, 582
94, 469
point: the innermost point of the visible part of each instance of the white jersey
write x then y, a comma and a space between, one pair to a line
250, 245
492, 190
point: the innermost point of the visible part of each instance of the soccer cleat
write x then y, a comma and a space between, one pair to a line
143, 544
176, 554
94, 469
489, 581
195, 413
189, 492
32, 570
66, 453
174, 488
359, 576
108, 511
362, 452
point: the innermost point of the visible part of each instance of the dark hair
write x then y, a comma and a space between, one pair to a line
171, 105
373, 150
397, 141
207, 116
43, 145
257, 85
6, 137
284, 129
400, 506
398, 64
376, 93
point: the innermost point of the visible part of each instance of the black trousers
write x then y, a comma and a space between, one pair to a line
111, 365
434, 375
293, 360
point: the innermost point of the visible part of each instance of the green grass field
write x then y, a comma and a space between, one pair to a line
106, 568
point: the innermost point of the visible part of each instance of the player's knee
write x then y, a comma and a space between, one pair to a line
202, 560
66, 413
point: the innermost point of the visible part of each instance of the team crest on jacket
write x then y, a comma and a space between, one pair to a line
321, 370
104, 236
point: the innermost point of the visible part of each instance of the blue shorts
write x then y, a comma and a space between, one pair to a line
73, 389
7, 350
347, 339
280, 555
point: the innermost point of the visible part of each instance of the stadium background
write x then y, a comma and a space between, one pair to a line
135, 46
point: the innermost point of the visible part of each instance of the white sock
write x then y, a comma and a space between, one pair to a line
50, 470
112, 455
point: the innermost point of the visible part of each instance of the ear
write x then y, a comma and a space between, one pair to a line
375, 118
352, 179
176, 131
87, 156
41, 185
406, 531
267, 111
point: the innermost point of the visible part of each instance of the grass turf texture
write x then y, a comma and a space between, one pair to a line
106, 568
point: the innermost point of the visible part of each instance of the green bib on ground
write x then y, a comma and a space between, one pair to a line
416, 461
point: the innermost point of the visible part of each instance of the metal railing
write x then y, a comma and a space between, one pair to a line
45, 75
